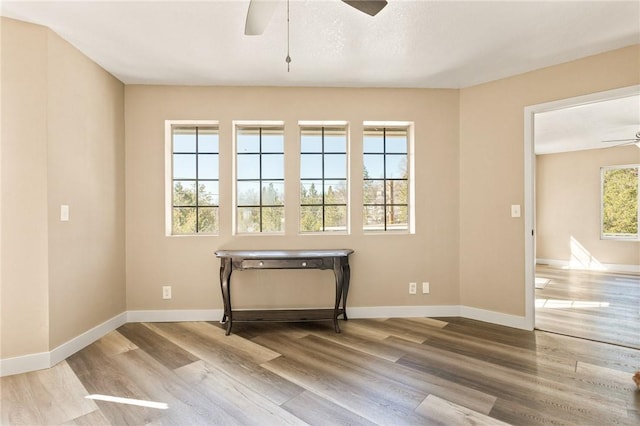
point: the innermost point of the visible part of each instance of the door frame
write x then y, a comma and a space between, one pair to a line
530, 179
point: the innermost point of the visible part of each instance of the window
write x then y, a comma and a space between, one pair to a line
385, 179
323, 179
620, 213
260, 179
194, 178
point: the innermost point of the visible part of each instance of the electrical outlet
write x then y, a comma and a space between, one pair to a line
412, 288
425, 287
166, 292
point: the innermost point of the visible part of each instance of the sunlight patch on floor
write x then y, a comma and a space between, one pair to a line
567, 304
138, 402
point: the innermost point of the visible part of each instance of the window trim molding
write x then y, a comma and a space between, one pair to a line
168, 172
411, 211
608, 237
235, 124
305, 124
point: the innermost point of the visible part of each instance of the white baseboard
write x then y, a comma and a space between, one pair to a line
24, 363
493, 317
403, 311
72, 346
39, 361
176, 315
604, 267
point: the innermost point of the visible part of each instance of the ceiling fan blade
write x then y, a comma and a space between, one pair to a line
370, 7
258, 16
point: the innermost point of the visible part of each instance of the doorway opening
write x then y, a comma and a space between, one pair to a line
568, 283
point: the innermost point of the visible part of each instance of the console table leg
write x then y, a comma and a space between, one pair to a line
346, 272
338, 271
225, 286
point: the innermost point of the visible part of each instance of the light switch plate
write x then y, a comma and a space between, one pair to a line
64, 213
515, 210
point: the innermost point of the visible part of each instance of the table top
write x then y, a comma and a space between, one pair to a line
283, 254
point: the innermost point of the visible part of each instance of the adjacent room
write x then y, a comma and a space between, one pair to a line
587, 282
318, 212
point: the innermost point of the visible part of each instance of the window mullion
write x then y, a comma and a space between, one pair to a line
260, 178
197, 184
323, 175
384, 175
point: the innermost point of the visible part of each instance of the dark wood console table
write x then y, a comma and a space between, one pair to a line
239, 260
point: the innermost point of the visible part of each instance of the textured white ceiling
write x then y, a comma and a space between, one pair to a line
438, 44
587, 126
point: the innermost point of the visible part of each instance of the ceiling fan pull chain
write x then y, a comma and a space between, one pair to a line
288, 58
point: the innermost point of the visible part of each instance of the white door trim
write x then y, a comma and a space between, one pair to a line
529, 181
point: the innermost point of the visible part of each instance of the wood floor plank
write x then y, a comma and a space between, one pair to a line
607, 377
400, 330
186, 405
341, 394
612, 381
376, 380
442, 412
56, 391
94, 418
236, 402
101, 375
233, 363
315, 410
501, 354
568, 402
114, 343
372, 366
359, 339
573, 323
166, 352
601, 306
241, 347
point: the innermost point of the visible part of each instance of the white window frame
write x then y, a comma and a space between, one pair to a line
236, 124
328, 124
411, 208
618, 237
168, 172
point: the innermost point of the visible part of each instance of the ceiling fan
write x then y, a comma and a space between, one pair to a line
620, 142
260, 12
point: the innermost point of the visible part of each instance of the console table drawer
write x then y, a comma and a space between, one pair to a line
283, 264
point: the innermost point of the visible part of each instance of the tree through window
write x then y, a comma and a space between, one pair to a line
260, 179
195, 180
385, 179
323, 179
620, 213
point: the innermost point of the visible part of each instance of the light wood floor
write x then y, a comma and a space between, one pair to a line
593, 305
386, 372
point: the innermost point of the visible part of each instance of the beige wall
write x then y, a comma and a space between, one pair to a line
382, 265
492, 169
25, 307
62, 143
85, 117
568, 207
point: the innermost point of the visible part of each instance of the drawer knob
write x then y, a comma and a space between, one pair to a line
261, 263
304, 263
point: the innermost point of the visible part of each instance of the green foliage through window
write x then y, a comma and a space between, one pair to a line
620, 202
323, 179
260, 179
385, 179
195, 193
